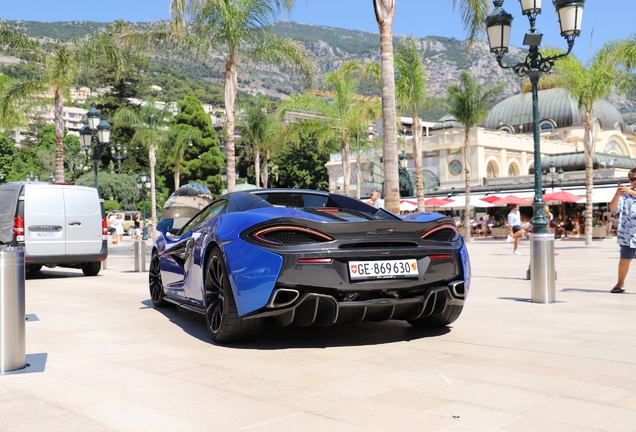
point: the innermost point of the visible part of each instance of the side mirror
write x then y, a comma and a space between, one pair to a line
165, 225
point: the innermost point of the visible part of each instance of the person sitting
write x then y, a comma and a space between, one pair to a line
568, 225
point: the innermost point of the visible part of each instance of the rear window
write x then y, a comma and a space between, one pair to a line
294, 199
81, 202
45, 201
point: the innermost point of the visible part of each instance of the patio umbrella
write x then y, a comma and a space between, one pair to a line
491, 198
511, 199
460, 201
562, 197
435, 202
408, 205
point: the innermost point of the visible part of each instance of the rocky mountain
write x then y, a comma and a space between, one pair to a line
444, 58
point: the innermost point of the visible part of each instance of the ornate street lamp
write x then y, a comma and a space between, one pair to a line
403, 160
118, 154
498, 25
552, 172
143, 184
31, 177
95, 134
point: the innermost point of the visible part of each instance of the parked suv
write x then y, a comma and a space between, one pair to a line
129, 221
57, 224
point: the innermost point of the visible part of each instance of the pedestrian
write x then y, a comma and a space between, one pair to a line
119, 228
376, 201
514, 227
137, 229
112, 226
624, 205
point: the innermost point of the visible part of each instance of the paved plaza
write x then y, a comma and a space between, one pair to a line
103, 359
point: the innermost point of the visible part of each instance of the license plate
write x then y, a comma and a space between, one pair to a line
45, 233
383, 269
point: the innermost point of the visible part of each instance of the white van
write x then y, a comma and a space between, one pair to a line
58, 225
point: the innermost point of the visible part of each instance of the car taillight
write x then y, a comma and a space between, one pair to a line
18, 227
444, 232
105, 227
289, 235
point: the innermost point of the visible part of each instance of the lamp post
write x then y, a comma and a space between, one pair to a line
118, 154
498, 25
95, 133
143, 184
553, 171
30, 177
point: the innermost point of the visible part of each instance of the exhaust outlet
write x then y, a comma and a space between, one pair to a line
282, 297
458, 288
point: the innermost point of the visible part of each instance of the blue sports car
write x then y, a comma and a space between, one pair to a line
303, 257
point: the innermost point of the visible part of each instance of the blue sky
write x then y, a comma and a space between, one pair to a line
603, 19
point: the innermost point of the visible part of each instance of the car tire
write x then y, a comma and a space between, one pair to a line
155, 284
450, 314
34, 268
130, 232
91, 268
221, 315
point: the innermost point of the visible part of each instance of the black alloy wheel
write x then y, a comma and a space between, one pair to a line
221, 315
155, 283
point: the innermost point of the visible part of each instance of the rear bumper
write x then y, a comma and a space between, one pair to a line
67, 260
323, 309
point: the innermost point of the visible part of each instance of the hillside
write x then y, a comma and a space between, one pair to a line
444, 58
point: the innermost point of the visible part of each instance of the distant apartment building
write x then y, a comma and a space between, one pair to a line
80, 95
72, 117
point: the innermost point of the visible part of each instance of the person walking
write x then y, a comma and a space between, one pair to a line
514, 227
623, 205
376, 201
137, 229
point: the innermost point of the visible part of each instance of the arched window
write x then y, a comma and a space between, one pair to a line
613, 147
491, 170
505, 128
512, 171
547, 126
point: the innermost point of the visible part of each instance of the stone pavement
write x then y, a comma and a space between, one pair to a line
105, 360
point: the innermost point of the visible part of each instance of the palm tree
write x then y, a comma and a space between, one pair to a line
235, 31
62, 67
467, 103
175, 145
343, 112
586, 85
473, 13
150, 124
410, 89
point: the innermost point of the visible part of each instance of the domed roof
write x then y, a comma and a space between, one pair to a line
554, 104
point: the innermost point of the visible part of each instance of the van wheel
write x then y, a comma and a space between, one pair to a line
92, 268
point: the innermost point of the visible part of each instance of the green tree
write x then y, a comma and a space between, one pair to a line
61, 69
194, 151
473, 14
114, 187
150, 124
343, 112
236, 31
302, 165
410, 90
467, 103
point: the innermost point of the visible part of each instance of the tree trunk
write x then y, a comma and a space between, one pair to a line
346, 166
266, 169
59, 135
358, 173
257, 165
467, 171
152, 159
230, 88
384, 14
177, 176
589, 145
417, 154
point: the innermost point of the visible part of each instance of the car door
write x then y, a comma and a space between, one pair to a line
176, 261
83, 221
44, 220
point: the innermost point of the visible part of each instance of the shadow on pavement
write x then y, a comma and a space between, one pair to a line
43, 274
276, 338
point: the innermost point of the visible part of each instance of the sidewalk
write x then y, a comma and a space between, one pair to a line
114, 363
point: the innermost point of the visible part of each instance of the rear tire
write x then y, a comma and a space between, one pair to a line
92, 268
155, 284
221, 315
447, 317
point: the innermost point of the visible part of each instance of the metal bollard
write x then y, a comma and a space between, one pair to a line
139, 256
542, 265
12, 309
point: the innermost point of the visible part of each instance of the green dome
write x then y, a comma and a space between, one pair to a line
555, 105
